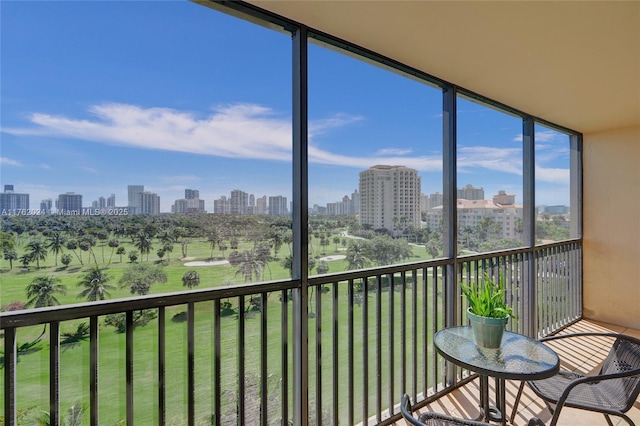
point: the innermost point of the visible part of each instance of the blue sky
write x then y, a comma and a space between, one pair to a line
172, 95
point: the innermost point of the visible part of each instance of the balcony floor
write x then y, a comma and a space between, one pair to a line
463, 402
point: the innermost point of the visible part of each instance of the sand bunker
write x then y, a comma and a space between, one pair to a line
207, 263
334, 257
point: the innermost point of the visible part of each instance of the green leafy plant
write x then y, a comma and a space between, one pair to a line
487, 298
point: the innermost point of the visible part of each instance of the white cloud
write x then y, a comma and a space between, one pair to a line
553, 175
233, 131
543, 136
9, 162
491, 158
394, 151
317, 127
247, 131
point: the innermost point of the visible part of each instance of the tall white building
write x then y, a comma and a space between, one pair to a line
69, 203
191, 194
46, 206
239, 202
502, 210
134, 200
278, 205
149, 203
191, 203
222, 205
470, 192
11, 201
261, 205
389, 197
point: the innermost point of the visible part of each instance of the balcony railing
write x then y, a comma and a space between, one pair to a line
226, 355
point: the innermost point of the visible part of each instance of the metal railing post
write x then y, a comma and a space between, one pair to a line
529, 290
300, 228
449, 217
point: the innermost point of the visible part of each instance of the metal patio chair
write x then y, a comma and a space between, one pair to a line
430, 418
612, 391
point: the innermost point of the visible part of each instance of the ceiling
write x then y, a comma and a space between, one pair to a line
574, 63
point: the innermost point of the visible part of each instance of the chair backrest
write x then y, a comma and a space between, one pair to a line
623, 357
405, 409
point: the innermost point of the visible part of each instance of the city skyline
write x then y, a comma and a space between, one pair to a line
193, 194
200, 99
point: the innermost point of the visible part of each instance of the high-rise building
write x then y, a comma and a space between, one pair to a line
389, 197
149, 203
46, 206
191, 203
501, 210
221, 206
278, 205
191, 194
261, 205
355, 202
504, 199
10, 201
238, 202
469, 192
69, 203
435, 200
341, 208
111, 201
133, 192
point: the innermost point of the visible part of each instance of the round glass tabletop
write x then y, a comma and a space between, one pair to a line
519, 357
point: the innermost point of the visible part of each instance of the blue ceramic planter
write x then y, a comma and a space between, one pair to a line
487, 331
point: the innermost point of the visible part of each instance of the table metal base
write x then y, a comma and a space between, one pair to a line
492, 413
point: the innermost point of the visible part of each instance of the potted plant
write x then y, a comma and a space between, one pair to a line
488, 313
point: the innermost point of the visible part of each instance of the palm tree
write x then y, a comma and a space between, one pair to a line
356, 256
42, 290
10, 255
248, 265
168, 248
95, 285
103, 236
213, 240
56, 244
323, 267
113, 243
277, 240
336, 241
41, 293
190, 279
433, 248
120, 251
65, 259
86, 243
37, 251
287, 263
288, 239
25, 259
140, 277
73, 245
143, 242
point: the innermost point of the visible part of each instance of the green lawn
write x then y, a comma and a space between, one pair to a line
33, 367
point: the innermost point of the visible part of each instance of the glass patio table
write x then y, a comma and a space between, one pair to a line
518, 358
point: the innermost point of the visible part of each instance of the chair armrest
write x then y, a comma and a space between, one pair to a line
595, 378
585, 334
